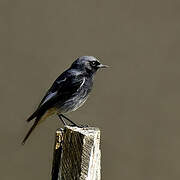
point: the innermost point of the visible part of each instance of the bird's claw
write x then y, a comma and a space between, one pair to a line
79, 126
83, 126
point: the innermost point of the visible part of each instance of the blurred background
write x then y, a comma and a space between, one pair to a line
135, 103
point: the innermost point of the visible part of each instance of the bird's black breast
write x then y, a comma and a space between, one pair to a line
78, 98
69, 91
88, 84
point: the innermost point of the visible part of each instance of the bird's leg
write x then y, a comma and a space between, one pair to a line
69, 120
74, 124
60, 117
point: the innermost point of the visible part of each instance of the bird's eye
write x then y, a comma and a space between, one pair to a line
93, 63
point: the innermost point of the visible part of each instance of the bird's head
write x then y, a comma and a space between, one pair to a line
88, 64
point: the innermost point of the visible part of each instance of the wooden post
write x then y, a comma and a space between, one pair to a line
77, 154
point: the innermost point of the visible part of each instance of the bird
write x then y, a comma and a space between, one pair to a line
68, 92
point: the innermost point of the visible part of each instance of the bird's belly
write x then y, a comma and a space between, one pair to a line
75, 101
72, 104
48, 113
79, 103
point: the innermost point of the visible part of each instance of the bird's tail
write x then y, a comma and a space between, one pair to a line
33, 115
40, 117
31, 129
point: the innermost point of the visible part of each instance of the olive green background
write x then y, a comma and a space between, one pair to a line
135, 103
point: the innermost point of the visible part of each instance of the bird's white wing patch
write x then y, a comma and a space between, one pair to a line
59, 82
82, 82
49, 97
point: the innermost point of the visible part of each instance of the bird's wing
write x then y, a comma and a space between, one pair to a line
62, 88
53, 90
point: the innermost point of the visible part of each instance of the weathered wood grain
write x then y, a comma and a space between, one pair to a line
80, 154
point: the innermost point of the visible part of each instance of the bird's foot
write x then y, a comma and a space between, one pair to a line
83, 126
77, 125
61, 116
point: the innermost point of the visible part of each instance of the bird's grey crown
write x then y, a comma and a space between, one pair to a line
83, 61
87, 58
84, 64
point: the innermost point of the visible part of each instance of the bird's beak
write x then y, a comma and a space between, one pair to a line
102, 66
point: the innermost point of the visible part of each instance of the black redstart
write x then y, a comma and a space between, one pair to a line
68, 92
